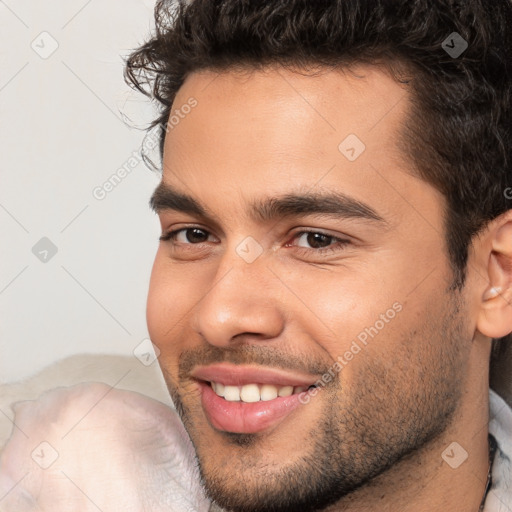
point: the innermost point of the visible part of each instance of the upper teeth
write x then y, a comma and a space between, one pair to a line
254, 392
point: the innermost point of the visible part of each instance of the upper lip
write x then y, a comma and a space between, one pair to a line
239, 375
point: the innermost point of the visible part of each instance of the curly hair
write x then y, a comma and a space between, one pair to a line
458, 134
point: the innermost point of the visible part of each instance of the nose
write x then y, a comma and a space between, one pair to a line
241, 303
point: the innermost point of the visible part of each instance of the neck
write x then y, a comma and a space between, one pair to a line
423, 481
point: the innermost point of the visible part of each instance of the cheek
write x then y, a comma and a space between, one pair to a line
336, 308
169, 299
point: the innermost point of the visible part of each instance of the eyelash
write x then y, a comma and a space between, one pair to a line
339, 245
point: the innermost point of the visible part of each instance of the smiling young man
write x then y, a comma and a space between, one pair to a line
336, 254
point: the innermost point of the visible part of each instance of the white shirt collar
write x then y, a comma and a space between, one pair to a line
499, 498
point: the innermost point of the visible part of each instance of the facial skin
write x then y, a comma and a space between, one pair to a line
372, 437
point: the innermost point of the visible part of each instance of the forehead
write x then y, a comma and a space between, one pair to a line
357, 97
256, 132
288, 111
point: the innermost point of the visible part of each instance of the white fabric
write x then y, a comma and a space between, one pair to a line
499, 498
114, 450
121, 372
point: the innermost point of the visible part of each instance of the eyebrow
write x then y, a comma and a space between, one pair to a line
289, 205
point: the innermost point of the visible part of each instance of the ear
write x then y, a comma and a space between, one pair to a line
495, 316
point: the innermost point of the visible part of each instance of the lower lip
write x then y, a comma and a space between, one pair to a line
246, 418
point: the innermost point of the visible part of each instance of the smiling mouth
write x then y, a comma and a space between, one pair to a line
249, 399
250, 393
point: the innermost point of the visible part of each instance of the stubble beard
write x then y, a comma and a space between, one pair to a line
391, 409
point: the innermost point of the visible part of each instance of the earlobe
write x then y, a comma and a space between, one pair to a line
495, 318
492, 293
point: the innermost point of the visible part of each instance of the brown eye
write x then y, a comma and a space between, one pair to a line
318, 242
195, 235
186, 236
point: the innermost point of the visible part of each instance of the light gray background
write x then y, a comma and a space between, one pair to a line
61, 135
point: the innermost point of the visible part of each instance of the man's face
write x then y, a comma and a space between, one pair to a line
264, 293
